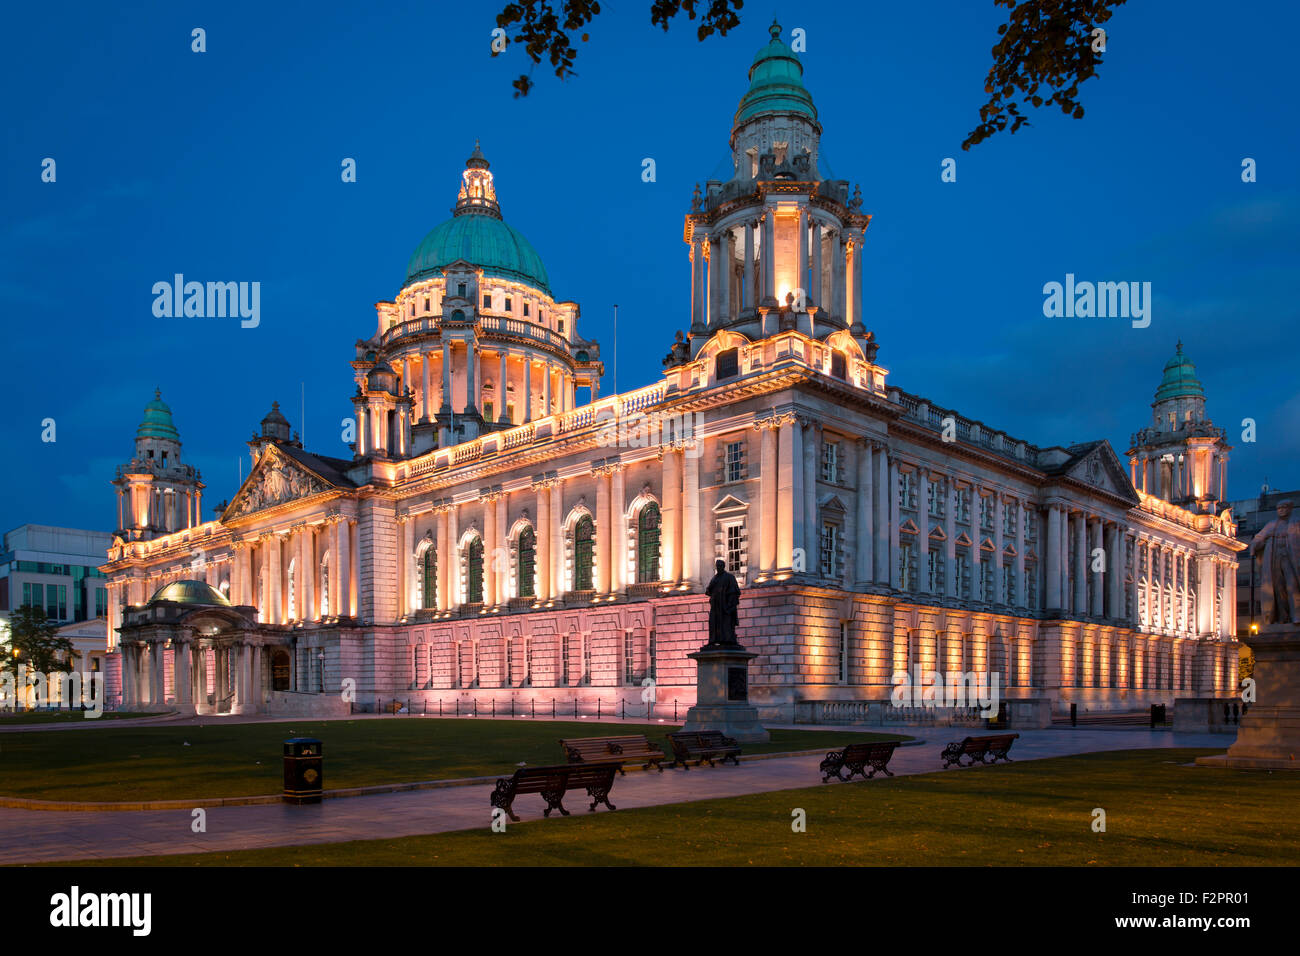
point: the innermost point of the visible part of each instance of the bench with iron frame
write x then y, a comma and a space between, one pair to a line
553, 782
983, 749
605, 749
703, 746
857, 758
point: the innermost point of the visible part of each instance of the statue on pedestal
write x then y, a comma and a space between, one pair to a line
1279, 541
724, 602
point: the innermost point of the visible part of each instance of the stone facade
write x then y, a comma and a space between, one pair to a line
556, 555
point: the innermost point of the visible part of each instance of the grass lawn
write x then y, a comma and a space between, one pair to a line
222, 759
10, 719
1160, 812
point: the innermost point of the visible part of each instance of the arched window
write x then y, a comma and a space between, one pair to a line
429, 580
647, 544
474, 569
527, 562
583, 534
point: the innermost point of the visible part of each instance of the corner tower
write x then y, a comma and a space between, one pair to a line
1182, 457
779, 245
156, 492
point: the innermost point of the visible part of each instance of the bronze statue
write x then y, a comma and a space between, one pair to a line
1279, 540
724, 599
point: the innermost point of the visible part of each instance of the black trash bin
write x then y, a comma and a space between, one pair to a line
303, 770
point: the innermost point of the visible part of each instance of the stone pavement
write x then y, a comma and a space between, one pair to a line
33, 835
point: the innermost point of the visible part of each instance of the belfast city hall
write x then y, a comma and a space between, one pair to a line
492, 543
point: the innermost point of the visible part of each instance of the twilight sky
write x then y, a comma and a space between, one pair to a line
225, 166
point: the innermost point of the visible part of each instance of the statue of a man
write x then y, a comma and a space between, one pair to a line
724, 599
1279, 540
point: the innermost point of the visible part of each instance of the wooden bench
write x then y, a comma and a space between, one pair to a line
553, 782
703, 746
856, 758
606, 749
978, 748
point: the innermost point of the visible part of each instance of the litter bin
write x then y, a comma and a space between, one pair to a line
303, 770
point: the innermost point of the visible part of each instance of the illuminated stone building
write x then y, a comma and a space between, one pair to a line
493, 542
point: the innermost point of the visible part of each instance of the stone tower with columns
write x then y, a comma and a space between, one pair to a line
779, 245
157, 493
1182, 457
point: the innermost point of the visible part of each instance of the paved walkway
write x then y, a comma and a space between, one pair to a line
45, 836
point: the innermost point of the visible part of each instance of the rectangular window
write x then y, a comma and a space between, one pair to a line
1008, 580
487, 410
1010, 519
934, 503
1031, 585
460, 290
986, 580
564, 660
828, 542
735, 548
830, 461
934, 572
508, 303
735, 460
561, 326
652, 656
510, 663
963, 575
528, 663
586, 658
906, 491
629, 658
487, 300
525, 310
101, 602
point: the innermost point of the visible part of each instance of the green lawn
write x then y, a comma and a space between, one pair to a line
227, 759
9, 718
1160, 812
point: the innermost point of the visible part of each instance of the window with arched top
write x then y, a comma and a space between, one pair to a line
584, 534
429, 578
474, 572
647, 544
527, 562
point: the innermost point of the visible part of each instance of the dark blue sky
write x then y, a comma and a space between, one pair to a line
225, 166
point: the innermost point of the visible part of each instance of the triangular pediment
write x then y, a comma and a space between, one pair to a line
730, 503
963, 539
936, 534
275, 480
1099, 468
908, 527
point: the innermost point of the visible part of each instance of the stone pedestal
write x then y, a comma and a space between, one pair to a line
1269, 738
722, 694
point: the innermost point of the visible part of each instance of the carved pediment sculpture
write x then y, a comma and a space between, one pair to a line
276, 481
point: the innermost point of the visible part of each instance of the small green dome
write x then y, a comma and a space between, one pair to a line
190, 592
157, 422
1180, 379
484, 241
775, 83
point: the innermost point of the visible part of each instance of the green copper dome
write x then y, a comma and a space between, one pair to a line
478, 234
190, 592
775, 83
483, 241
157, 422
1180, 379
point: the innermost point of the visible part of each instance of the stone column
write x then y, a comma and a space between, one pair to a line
1099, 583
344, 569
311, 571
472, 404
950, 582
690, 547
618, 505
864, 528
273, 550
811, 524
1114, 569
604, 530
1080, 607
528, 389
557, 538
503, 378
1054, 557
546, 389
698, 306
544, 519
895, 552
491, 535
406, 603
747, 278
446, 374
184, 676
801, 251
789, 530
767, 493
999, 545
130, 689
815, 286
923, 530
837, 276
723, 265
671, 516
886, 494
769, 254
857, 319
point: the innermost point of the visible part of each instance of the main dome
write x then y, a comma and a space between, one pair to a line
479, 235
775, 83
1179, 380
